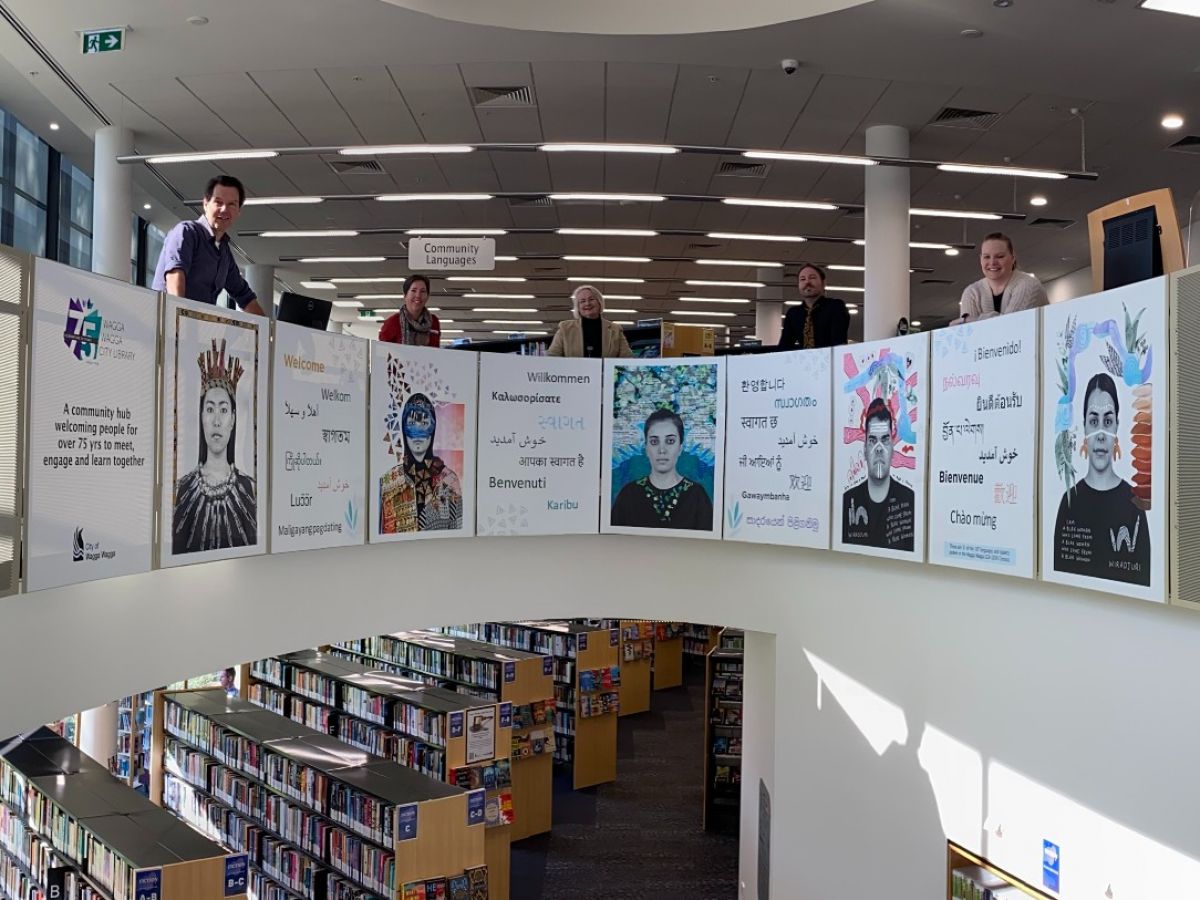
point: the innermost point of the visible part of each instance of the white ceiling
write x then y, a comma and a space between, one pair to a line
295, 73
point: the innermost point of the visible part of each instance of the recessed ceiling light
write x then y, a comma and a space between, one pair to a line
1002, 4
404, 149
1038, 200
608, 148
348, 304
916, 323
197, 20
1182, 7
1172, 121
54, 126
145, 206
853, 312
970, 33
777, 204
318, 285
951, 251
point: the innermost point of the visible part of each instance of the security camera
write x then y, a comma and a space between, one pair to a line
789, 66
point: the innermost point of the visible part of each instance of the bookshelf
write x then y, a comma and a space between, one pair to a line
637, 663
699, 639
442, 734
319, 819
69, 829
723, 680
67, 728
668, 655
481, 669
131, 762
586, 743
971, 877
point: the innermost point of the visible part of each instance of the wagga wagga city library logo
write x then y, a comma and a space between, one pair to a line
89, 336
82, 550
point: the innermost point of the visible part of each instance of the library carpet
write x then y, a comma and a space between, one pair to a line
639, 837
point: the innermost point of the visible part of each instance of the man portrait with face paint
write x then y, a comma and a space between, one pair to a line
879, 511
421, 493
664, 498
1100, 531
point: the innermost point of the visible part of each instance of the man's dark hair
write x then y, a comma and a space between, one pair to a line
412, 279
878, 409
814, 267
1103, 382
225, 181
663, 415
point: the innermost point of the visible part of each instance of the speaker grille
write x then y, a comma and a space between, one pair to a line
14, 268
1185, 432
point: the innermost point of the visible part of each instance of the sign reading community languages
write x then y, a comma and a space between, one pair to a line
318, 432
880, 394
664, 438
983, 445
214, 453
539, 445
423, 406
452, 254
91, 428
1104, 441
778, 449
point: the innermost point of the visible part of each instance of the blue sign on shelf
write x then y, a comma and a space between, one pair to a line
475, 804
547, 665
1050, 862
583, 641
147, 885
456, 724
406, 822
613, 637
236, 875
506, 715
510, 672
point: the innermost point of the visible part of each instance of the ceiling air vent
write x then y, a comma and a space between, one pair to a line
1045, 222
937, 281
547, 268
1187, 144
508, 97
356, 167
700, 245
957, 117
525, 202
743, 170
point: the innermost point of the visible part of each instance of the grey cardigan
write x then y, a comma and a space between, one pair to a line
1024, 291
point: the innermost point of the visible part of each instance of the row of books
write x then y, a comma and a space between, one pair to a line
471, 885
601, 679
726, 714
977, 883
28, 856
638, 631
633, 650
527, 715
534, 743
313, 686
491, 776
591, 705
518, 637
727, 687
270, 670
727, 745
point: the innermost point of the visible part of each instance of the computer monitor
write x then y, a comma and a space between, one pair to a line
1132, 251
311, 312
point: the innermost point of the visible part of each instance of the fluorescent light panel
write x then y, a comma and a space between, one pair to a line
776, 204
711, 300
598, 278
454, 232
613, 198
343, 259
847, 289
402, 149
702, 312
736, 236
378, 296
827, 158
618, 259
281, 201
627, 312
513, 322
474, 296
1000, 170
493, 309
406, 198
953, 214
623, 297
326, 233
380, 279
915, 245
507, 278
318, 285
215, 156
608, 148
348, 304
609, 232
755, 264
697, 282
520, 331
1179, 7
846, 268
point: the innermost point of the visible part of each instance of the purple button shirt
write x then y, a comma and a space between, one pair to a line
207, 266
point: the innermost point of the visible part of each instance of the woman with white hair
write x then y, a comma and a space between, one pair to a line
588, 334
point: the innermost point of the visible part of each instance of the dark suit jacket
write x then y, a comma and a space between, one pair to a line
831, 324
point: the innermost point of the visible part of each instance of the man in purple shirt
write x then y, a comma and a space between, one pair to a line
196, 261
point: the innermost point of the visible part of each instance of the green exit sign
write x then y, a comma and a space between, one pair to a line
103, 40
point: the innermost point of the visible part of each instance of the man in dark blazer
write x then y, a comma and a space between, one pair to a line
819, 321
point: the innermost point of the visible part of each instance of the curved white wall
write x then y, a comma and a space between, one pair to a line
1075, 709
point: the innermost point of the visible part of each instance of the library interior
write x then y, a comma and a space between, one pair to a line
547, 451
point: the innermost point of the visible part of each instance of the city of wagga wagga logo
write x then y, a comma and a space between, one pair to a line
88, 550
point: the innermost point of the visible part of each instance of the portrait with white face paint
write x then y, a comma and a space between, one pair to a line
879, 511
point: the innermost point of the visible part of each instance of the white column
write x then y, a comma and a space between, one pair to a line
768, 308
888, 196
98, 732
261, 279
112, 203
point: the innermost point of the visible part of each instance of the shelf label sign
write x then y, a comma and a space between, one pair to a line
456, 724
547, 665
475, 804
510, 672
103, 40
406, 822
506, 715
583, 641
614, 636
1050, 861
236, 880
147, 884
56, 882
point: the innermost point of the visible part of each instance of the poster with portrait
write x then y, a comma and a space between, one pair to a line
1103, 443
92, 438
539, 445
880, 397
983, 445
318, 439
778, 448
214, 454
423, 411
663, 446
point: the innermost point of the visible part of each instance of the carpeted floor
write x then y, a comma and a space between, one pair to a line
639, 837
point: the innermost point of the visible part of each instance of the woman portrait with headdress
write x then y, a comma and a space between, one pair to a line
421, 493
1101, 531
216, 504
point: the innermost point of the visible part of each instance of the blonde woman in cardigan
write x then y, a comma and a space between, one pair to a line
589, 334
1002, 289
